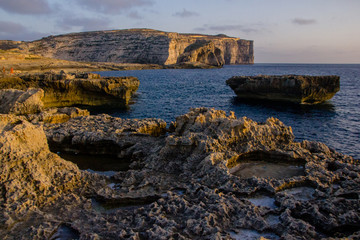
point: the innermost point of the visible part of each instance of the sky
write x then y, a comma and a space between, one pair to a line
284, 31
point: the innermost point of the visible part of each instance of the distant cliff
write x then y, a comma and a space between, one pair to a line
143, 46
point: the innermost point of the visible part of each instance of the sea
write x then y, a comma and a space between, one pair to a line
168, 93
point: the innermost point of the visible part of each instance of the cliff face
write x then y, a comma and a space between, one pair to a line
139, 46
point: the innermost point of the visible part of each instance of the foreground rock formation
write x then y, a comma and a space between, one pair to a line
141, 46
294, 88
29, 106
33, 178
191, 183
20, 102
68, 89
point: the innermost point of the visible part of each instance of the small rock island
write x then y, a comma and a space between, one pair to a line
293, 88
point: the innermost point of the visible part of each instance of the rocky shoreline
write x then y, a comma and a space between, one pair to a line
208, 175
186, 181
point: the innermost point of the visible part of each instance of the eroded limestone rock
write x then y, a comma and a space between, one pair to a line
181, 185
204, 52
20, 102
68, 89
57, 115
294, 88
31, 177
103, 134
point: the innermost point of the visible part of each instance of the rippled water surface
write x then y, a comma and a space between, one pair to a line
169, 93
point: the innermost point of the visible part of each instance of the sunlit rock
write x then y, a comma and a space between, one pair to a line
20, 102
69, 89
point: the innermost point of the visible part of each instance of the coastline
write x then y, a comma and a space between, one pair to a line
189, 181
200, 177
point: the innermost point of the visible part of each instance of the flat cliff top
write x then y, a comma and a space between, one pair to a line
146, 31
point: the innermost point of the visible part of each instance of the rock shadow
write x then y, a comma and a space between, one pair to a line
268, 165
283, 106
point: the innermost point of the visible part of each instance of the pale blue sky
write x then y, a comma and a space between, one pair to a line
294, 31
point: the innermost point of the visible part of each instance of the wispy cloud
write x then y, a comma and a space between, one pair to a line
25, 6
185, 14
113, 6
225, 28
303, 21
86, 24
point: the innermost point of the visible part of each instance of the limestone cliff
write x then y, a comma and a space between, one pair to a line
139, 46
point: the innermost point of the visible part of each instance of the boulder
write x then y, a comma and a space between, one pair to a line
294, 88
20, 102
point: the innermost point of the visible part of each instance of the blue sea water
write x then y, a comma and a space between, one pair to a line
167, 93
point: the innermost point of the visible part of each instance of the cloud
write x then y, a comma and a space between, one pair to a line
17, 32
86, 24
185, 13
225, 28
302, 21
113, 6
11, 27
134, 15
25, 6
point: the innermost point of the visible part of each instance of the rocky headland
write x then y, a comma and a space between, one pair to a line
188, 181
294, 88
141, 46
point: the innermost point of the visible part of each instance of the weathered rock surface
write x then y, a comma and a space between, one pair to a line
183, 185
295, 88
20, 102
31, 177
103, 134
29, 104
138, 46
68, 89
204, 52
57, 115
